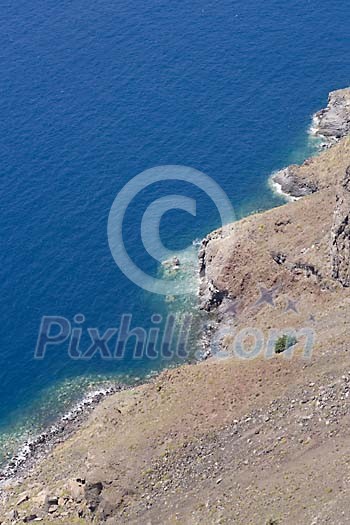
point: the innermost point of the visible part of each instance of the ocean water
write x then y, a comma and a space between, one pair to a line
93, 93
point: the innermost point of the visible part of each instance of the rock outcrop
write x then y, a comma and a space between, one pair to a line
315, 174
333, 122
341, 233
292, 184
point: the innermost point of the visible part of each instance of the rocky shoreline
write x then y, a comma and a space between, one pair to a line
331, 124
295, 182
37, 447
176, 449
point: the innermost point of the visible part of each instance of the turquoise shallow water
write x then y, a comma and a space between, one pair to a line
92, 95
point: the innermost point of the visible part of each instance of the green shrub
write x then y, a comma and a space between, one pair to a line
283, 343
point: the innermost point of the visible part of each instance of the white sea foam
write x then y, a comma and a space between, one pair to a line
33, 446
277, 188
314, 126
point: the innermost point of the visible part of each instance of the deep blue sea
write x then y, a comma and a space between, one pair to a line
93, 93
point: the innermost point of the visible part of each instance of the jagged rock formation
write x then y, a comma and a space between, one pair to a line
316, 173
341, 233
333, 122
292, 184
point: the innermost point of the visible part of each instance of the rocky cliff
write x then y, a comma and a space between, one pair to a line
341, 232
332, 123
235, 440
300, 247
